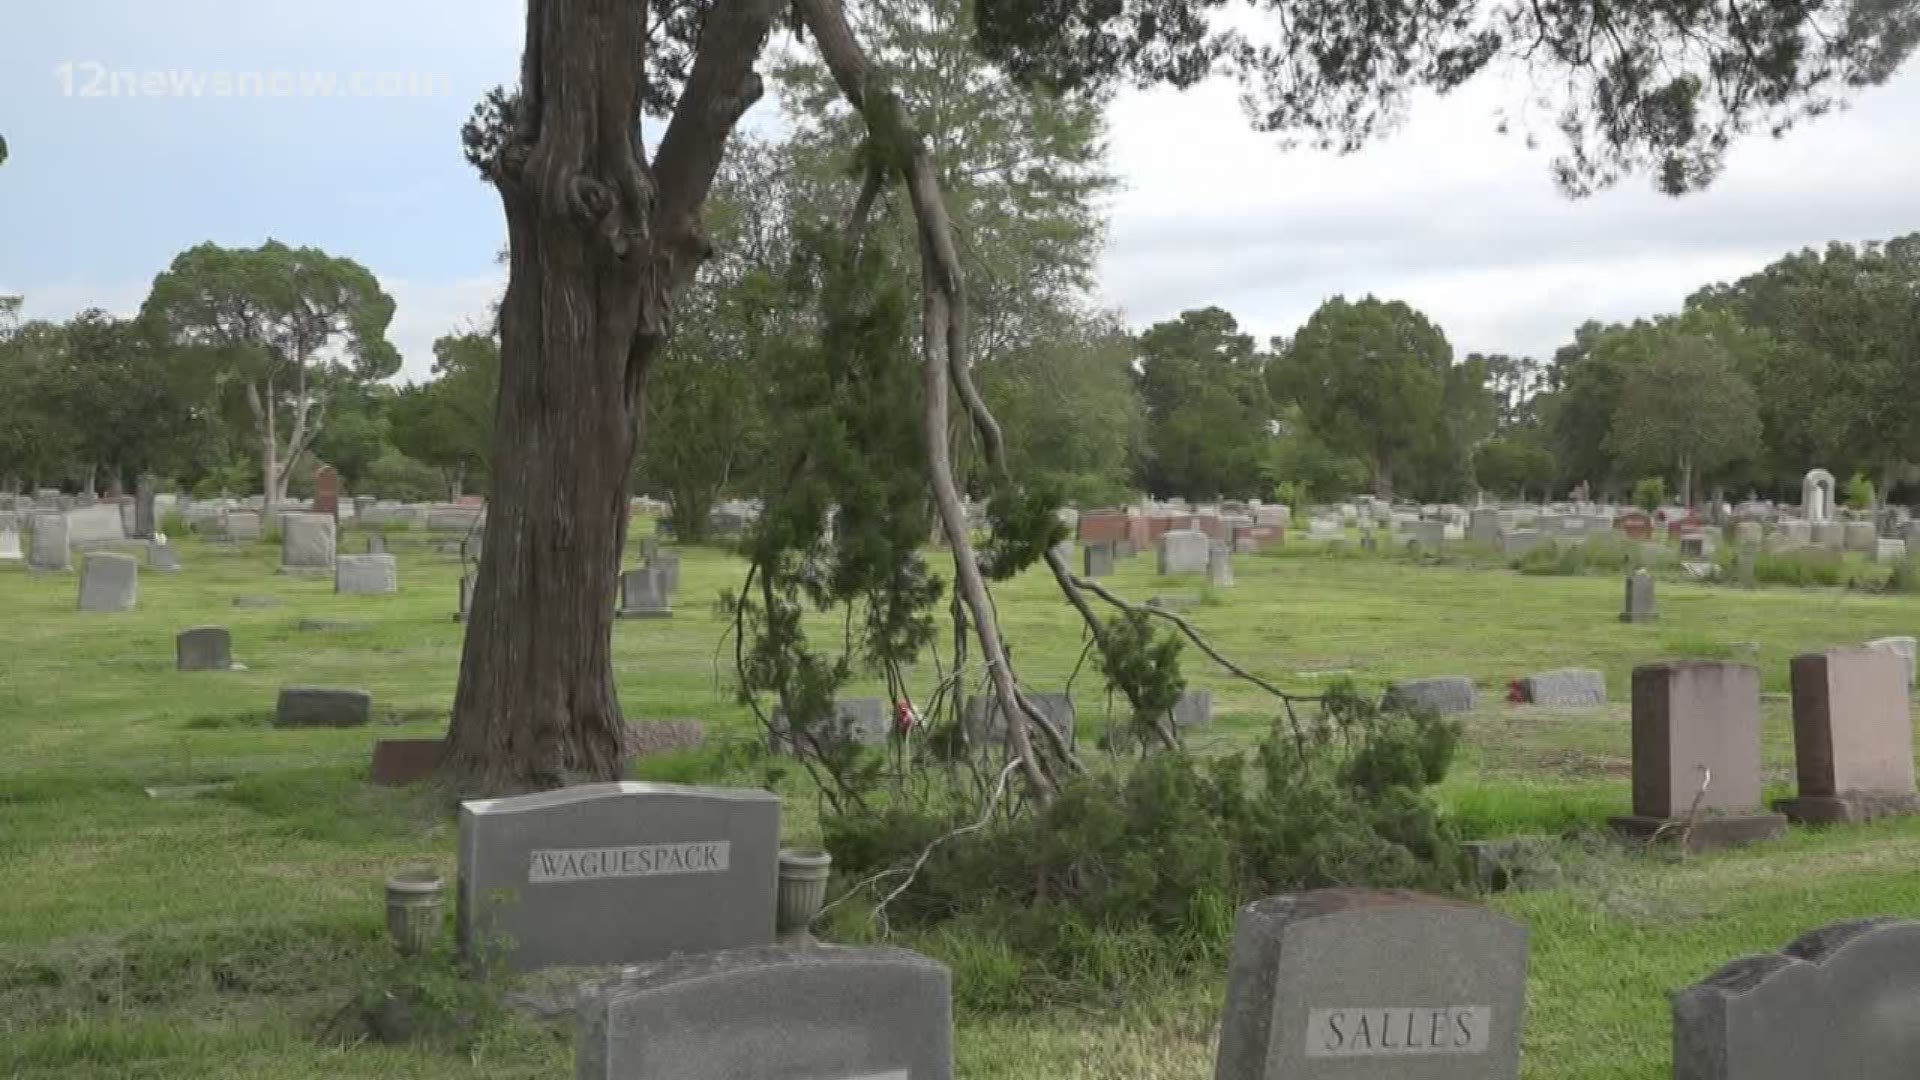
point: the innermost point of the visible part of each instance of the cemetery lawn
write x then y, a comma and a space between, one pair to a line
216, 934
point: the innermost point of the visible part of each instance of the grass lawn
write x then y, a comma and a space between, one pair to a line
215, 936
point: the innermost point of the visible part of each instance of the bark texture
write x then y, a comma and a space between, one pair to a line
600, 240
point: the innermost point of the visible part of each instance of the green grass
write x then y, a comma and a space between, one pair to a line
216, 936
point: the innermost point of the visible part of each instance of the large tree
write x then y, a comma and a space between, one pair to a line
603, 237
1208, 412
1685, 407
279, 326
1371, 378
124, 408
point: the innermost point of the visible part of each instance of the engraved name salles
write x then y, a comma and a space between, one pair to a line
1381, 1030
641, 860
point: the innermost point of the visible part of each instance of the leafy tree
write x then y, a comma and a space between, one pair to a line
1371, 378
1514, 466
1514, 382
356, 435
447, 423
1686, 407
1071, 410
1311, 470
1207, 406
1650, 493
110, 387
605, 237
1836, 389
35, 442
281, 327
1442, 464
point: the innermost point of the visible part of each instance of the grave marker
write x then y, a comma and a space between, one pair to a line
306, 543
1096, 559
1852, 737
1184, 551
985, 723
109, 582
1219, 566
825, 1013
326, 491
1443, 696
1568, 688
616, 873
365, 575
311, 706
641, 595
1355, 983
203, 648
1696, 756
1639, 598
861, 721
48, 546
1841, 1001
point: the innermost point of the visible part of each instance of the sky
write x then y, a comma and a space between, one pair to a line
331, 133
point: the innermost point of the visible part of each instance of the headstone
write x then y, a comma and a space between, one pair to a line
774, 1013
10, 547
1635, 524
985, 724
645, 738
665, 564
1096, 559
1888, 552
99, 523
1443, 696
1695, 545
1828, 534
861, 721
1696, 755
1184, 551
243, 526
143, 516
326, 491
365, 575
466, 598
310, 706
376, 543
203, 648
1568, 688
641, 596
48, 547
472, 547
1219, 566
617, 873
1852, 736
1519, 542
1639, 602
1841, 1001
1483, 527
109, 581
1427, 537
1904, 647
1859, 536
163, 557
1355, 983
1749, 533
399, 762
1193, 709
306, 543
1816, 496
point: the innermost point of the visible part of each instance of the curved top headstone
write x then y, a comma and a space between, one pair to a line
1840, 1001
1816, 496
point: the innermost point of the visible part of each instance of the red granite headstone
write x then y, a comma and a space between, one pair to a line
398, 762
326, 491
1635, 524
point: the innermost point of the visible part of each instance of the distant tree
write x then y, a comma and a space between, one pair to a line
1371, 378
281, 327
1514, 466
1686, 407
1311, 470
111, 387
1073, 416
1837, 390
1208, 412
447, 423
1514, 382
35, 440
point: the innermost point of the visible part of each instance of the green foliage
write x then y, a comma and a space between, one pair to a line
447, 424
1859, 493
1650, 493
1133, 875
397, 476
1609, 555
1659, 423
1652, 87
1315, 471
1373, 379
1023, 524
1143, 665
1800, 569
1514, 467
1207, 407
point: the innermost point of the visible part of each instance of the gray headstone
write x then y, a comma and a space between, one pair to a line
985, 724
1484, 526
1519, 542
203, 648
452, 518
1639, 598
863, 721
642, 595
48, 544
771, 1014
1194, 709
665, 564
466, 598
1904, 647
163, 557
307, 542
310, 706
143, 516
97, 524
1184, 551
376, 543
1351, 983
10, 547
243, 526
109, 581
616, 873
1096, 559
1219, 566
358, 574
1444, 696
1569, 688
1842, 1001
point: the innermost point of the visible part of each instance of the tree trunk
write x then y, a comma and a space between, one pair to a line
597, 245
1686, 480
1382, 480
